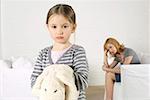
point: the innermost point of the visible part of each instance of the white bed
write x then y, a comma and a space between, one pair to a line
135, 81
15, 82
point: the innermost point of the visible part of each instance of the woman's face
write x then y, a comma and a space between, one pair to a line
111, 48
60, 28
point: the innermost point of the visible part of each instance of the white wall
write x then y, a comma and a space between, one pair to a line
128, 21
149, 26
24, 31
0, 32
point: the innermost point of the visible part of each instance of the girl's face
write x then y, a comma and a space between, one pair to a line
111, 48
60, 28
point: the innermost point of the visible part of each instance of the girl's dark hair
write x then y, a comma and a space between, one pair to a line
62, 9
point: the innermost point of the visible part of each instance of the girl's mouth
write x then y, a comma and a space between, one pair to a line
59, 37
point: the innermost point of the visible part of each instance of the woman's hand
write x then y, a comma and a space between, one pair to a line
105, 53
112, 70
105, 58
105, 68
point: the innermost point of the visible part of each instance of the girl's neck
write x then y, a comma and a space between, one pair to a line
60, 47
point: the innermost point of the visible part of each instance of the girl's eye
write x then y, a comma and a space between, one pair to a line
65, 26
54, 26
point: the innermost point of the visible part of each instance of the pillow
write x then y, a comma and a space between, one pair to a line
22, 62
4, 64
145, 59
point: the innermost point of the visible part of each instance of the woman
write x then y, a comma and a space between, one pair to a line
122, 55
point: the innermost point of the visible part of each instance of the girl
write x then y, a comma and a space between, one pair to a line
122, 55
61, 23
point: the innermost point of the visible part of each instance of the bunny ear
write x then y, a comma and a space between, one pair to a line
36, 89
64, 73
66, 76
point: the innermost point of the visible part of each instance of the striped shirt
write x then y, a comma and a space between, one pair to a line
74, 57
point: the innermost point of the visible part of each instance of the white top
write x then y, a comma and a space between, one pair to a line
55, 55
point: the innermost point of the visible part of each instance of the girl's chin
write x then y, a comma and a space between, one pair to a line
61, 42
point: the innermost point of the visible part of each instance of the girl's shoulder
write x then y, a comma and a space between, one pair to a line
45, 50
78, 47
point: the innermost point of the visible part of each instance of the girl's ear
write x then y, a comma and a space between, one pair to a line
74, 28
47, 25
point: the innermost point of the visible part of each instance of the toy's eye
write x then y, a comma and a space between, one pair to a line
45, 89
55, 91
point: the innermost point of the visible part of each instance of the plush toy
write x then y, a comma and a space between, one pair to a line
56, 83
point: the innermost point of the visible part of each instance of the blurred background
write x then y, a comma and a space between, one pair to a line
23, 32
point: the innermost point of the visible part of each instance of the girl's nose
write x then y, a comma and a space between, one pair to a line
59, 31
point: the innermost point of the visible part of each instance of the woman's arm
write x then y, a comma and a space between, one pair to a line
115, 69
128, 60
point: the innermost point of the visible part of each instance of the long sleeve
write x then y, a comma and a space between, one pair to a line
80, 69
37, 69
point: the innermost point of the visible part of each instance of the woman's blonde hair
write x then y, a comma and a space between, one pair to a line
118, 46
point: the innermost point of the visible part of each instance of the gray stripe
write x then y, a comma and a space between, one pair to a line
75, 57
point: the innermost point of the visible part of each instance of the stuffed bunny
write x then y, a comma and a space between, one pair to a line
56, 83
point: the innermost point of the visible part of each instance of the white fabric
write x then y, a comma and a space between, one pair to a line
22, 62
55, 55
5, 64
15, 84
136, 82
117, 93
56, 83
144, 57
